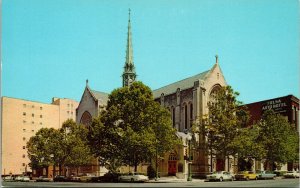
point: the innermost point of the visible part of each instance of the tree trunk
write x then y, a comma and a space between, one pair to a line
54, 170
59, 169
135, 167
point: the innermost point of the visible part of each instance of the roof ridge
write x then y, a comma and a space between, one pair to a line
183, 79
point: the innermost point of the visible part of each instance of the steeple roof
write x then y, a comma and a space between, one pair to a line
129, 50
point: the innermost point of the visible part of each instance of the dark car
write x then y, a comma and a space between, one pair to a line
60, 178
110, 177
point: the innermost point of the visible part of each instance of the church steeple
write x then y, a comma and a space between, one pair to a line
129, 74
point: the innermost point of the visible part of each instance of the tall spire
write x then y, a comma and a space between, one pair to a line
129, 74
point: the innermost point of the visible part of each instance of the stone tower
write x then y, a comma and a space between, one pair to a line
129, 74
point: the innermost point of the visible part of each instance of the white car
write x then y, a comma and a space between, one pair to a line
292, 174
133, 177
220, 176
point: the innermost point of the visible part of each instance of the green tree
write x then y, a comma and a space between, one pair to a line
226, 117
63, 147
44, 147
77, 151
132, 128
279, 139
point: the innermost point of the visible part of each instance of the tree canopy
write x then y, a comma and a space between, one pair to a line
278, 137
132, 127
66, 146
226, 117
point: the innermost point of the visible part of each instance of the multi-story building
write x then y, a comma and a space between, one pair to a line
287, 106
21, 119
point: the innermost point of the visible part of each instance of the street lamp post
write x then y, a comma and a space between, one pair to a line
189, 178
156, 173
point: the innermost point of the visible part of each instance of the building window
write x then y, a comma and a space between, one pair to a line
72, 113
24, 138
185, 116
32, 106
32, 122
23, 155
41, 123
68, 112
24, 113
32, 131
24, 121
41, 108
173, 116
41, 116
24, 130
24, 147
23, 164
32, 115
191, 114
24, 105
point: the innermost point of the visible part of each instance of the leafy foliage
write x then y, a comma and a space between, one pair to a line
132, 128
226, 117
63, 147
278, 137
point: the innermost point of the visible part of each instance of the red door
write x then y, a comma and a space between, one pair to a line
172, 168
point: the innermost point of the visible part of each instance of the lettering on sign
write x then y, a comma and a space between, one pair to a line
276, 105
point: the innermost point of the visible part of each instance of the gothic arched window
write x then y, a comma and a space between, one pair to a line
86, 119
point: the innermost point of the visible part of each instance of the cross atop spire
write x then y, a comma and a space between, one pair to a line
217, 59
129, 74
129, 14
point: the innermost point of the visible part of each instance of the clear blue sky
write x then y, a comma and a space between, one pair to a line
50, 47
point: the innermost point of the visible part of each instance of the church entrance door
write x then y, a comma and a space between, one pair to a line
172, 168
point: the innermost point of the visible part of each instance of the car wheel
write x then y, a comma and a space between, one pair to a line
221, 179
255, 177
132, 180
247, 178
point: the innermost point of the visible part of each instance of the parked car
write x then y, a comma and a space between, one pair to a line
22, 178
133, 177
246, 175
18, 178
8, 178
110, 177
73, 178
60, 178
25, 178
265, 175
292, 174
44, 179
219, 176
87, 177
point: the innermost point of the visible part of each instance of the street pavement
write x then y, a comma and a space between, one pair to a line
165, 182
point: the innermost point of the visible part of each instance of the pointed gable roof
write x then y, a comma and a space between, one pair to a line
182, 84
100, 96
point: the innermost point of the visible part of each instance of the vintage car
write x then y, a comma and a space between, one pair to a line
133, 177
44, 179
292, 174
219, 176
246, 175
265, 175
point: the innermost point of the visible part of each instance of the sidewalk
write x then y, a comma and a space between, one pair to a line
172, 179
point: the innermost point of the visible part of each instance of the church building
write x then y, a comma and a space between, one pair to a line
186, 100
